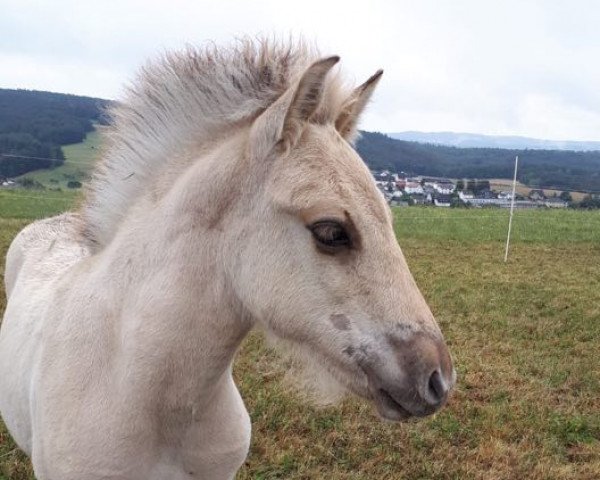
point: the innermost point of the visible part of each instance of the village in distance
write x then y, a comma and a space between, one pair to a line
401, 190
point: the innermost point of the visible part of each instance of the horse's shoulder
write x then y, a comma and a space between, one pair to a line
43, 247
59, 226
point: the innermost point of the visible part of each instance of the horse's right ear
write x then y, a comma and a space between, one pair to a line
353, 107
281, 124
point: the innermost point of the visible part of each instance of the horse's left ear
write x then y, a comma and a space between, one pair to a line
282, 123
354, 105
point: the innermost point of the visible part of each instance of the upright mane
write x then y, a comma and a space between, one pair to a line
181, 99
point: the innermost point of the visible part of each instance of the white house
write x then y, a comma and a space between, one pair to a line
413, 187
445, 188
555, 203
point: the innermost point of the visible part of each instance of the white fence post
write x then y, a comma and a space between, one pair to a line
512, 208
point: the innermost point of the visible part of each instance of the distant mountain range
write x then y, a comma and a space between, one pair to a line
474, 140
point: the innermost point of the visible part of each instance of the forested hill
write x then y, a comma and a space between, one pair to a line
36, 124
544, 168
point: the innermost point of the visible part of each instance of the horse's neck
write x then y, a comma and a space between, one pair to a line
180, 321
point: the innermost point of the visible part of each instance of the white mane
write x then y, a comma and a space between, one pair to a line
180, 99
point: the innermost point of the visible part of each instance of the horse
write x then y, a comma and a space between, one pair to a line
228, 196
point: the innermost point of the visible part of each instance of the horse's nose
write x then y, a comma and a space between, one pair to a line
433, 371
409, 393
437, 390
418, 376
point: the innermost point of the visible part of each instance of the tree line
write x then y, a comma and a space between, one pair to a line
36, 124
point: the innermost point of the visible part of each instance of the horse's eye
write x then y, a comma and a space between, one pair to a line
330, 235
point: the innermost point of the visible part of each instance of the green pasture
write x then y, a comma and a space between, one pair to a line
30, 204
484, 225
525, 337
79, 160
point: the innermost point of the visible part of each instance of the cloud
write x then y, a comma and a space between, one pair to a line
513, 67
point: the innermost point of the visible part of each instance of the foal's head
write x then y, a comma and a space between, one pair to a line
320, 266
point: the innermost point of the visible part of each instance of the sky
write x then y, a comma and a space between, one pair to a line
506, 67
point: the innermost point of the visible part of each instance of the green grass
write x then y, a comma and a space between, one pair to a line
490, 225
525, 337
79, 160
31, 204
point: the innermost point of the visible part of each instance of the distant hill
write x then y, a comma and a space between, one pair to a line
570, 170
36, 124
453, 139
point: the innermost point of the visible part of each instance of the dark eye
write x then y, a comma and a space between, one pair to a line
330, 235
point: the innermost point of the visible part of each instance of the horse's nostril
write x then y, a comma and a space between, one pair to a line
437, 389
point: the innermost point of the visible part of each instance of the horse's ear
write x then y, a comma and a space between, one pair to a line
282, 123
307, 98
354, 105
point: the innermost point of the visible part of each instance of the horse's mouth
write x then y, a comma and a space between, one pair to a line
388, 408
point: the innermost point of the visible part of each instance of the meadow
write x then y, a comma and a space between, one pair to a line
79, 159
525, 338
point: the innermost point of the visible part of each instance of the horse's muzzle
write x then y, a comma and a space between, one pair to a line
415, 380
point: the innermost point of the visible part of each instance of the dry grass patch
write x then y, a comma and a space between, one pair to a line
522, 189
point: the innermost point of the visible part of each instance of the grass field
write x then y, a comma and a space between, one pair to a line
79, 159
525, 337
31, 204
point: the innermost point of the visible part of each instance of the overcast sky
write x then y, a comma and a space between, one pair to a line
498, 67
